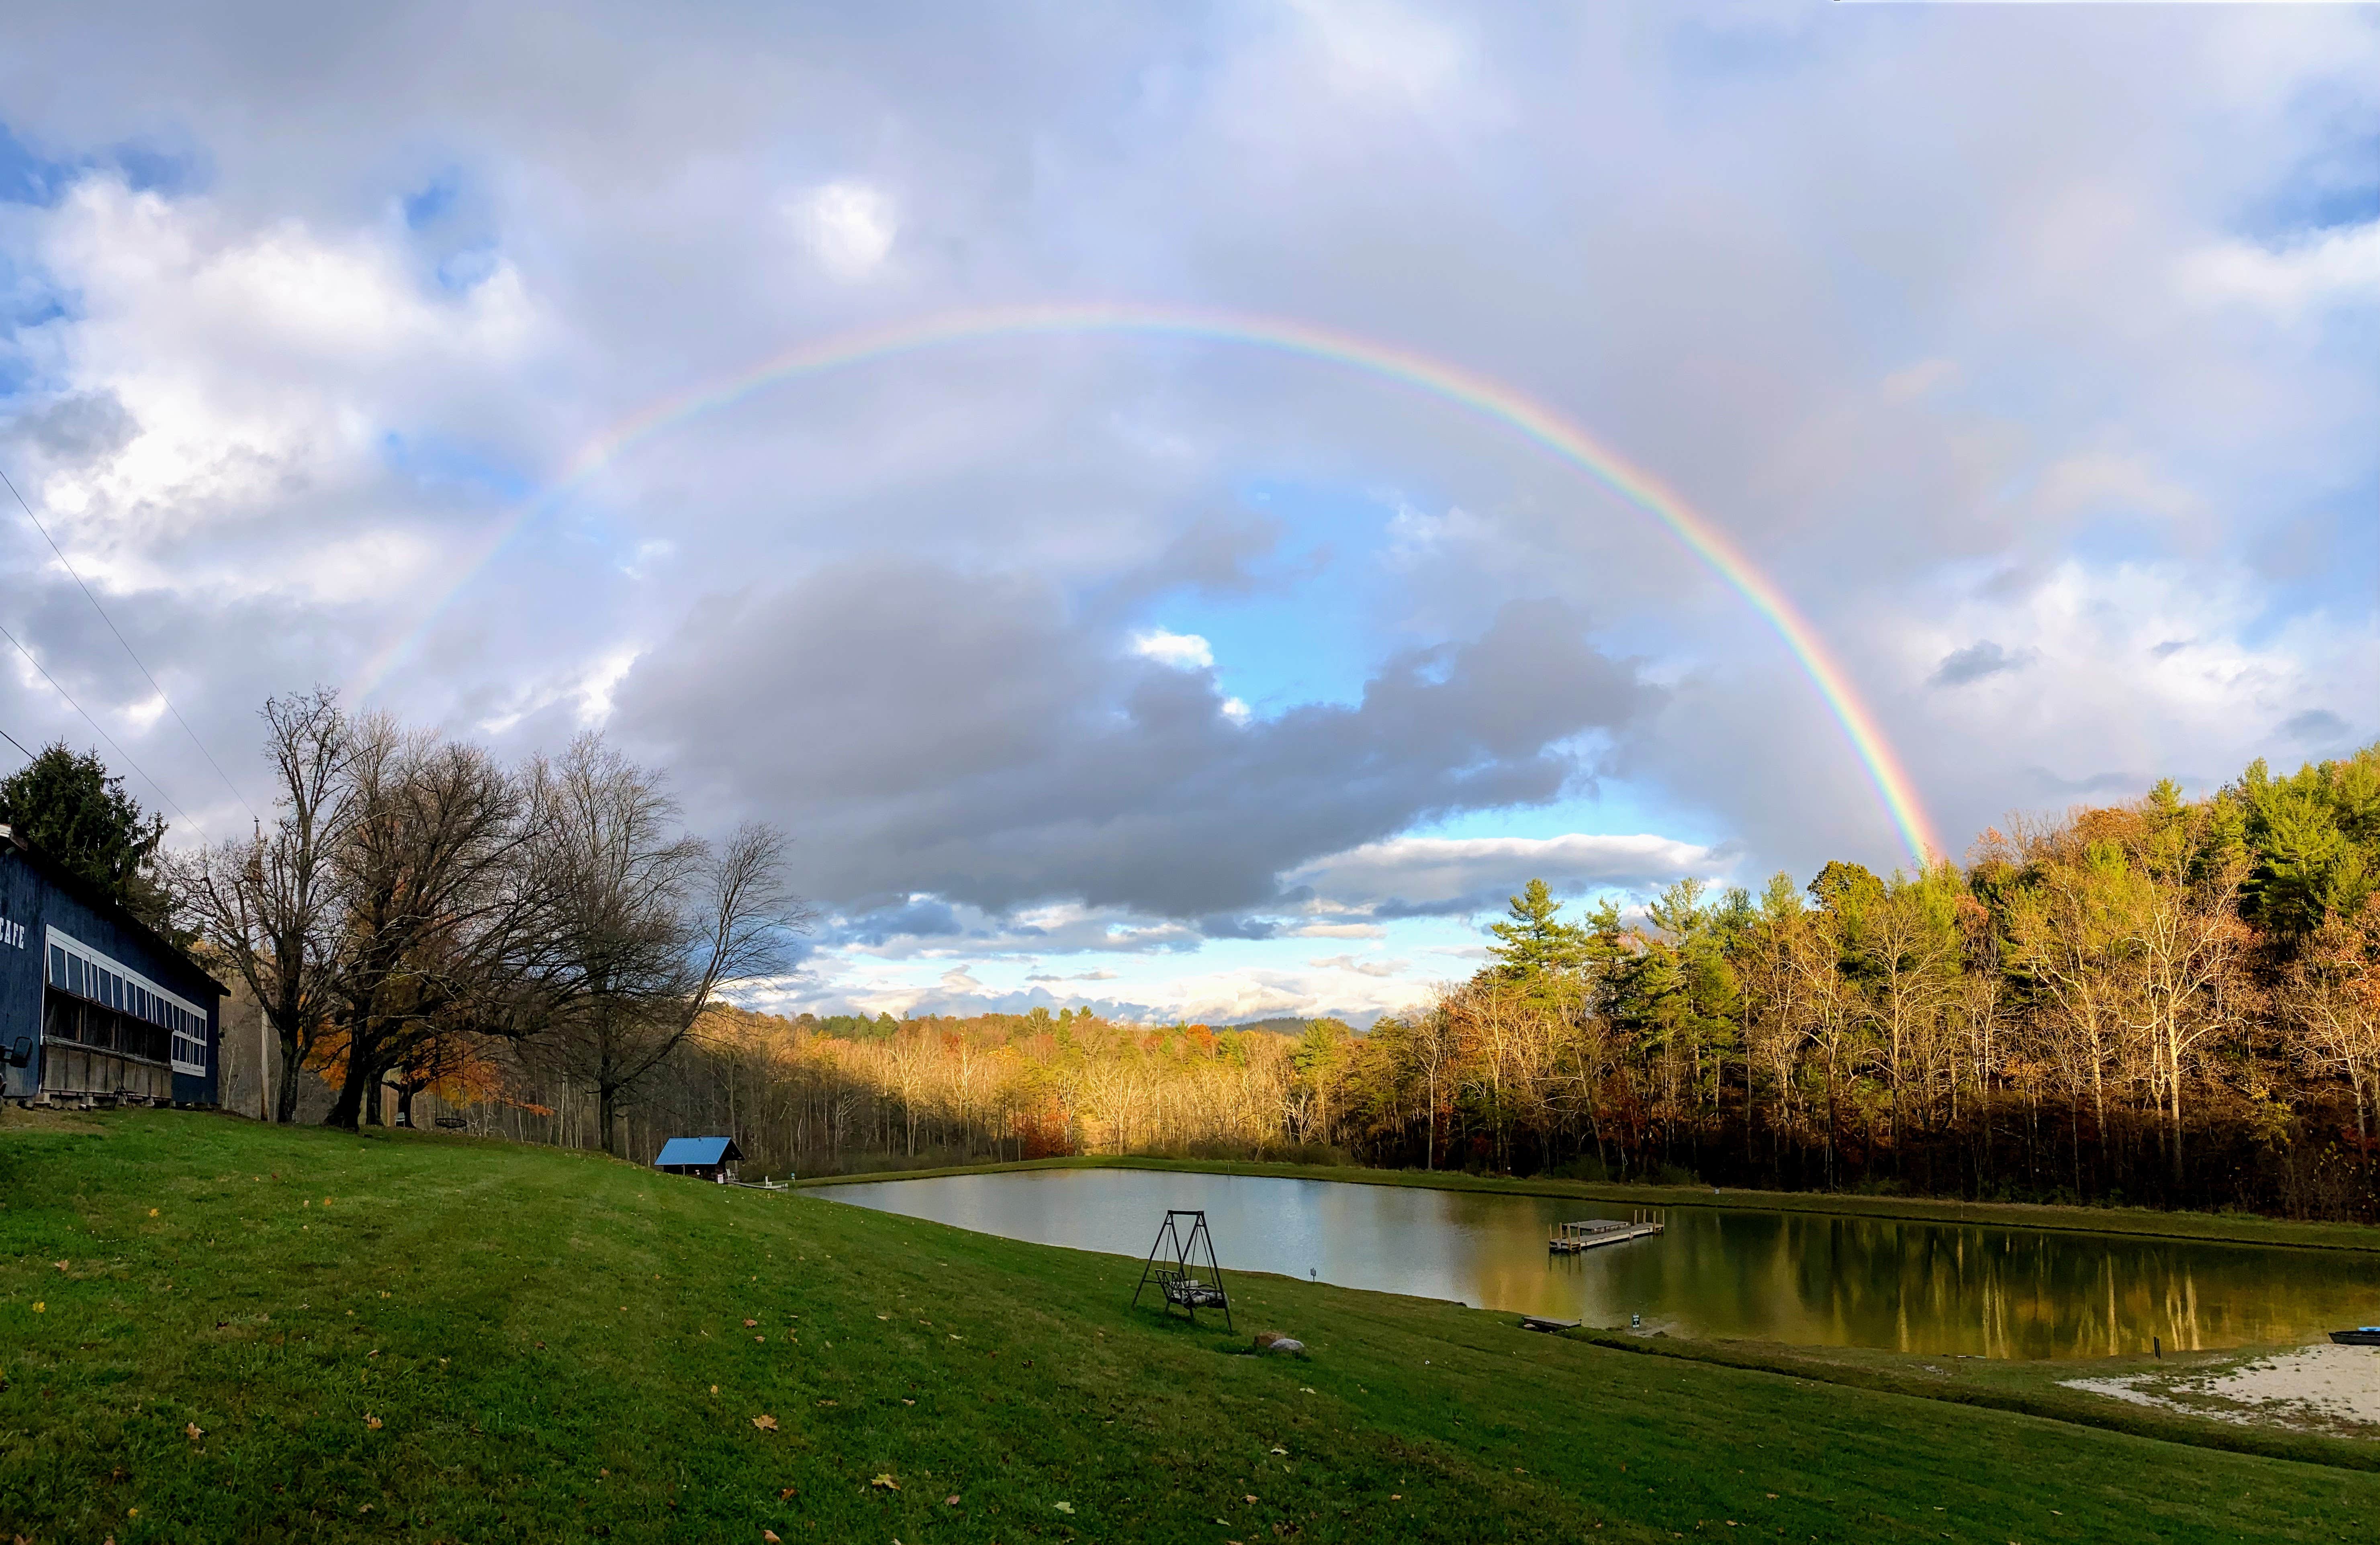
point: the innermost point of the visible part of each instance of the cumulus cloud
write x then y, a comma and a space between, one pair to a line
1183, 651
850, 227
927, 730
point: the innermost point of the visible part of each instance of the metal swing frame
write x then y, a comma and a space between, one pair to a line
1173, 1266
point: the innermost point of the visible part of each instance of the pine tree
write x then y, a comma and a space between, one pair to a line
70, 808
1533, 944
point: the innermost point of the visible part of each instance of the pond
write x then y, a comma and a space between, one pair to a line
1720, 1272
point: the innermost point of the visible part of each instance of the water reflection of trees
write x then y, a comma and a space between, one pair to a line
1807, 1279
1912, 1287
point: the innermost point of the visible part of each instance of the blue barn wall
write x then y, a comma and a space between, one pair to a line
34, 895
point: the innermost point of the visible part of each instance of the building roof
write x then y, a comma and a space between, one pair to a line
698, 1150
92, 897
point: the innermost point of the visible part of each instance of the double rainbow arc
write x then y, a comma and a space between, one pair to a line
1488, 397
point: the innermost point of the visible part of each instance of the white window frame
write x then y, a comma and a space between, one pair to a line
189, 1047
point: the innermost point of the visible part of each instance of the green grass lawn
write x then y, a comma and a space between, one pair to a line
401, 1337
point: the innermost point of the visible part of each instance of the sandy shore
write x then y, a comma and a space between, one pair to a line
2324, 1388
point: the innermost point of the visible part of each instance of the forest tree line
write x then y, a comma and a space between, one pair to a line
2167, 1003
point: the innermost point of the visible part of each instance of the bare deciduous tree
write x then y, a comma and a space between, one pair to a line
269, 907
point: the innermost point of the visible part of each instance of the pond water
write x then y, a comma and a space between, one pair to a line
1717, 1272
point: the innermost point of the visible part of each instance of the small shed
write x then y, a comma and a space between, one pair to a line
708, 1158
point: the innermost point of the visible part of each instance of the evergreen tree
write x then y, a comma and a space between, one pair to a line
79, 815
1533, 944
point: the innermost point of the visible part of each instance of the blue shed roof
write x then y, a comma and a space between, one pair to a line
698, 1150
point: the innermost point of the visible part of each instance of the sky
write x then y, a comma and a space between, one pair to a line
2029, 355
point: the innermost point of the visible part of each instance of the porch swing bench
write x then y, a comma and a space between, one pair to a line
1184, 1291
1183, 1282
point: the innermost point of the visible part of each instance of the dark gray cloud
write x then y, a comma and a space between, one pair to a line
933, 731
2047, 782
2315, 726
1978, 660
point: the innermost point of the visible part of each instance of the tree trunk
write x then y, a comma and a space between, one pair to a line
607, 1110
346, 1112
284, 1096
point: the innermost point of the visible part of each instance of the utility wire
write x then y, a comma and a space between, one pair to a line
103, 734
128, 649
18, 744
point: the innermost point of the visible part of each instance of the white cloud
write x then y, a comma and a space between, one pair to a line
850, 227
1360, 967
258, 371
1182, 651
2333, 267
2144, 669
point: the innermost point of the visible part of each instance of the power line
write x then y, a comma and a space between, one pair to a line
103, 734
18, 744
128, 650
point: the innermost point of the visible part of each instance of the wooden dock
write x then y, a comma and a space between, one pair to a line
1590, 1233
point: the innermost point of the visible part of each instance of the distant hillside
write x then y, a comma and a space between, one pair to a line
1280, 1025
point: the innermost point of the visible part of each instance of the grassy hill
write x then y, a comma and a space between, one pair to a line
215, 1330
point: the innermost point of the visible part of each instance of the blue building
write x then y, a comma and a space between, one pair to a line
95, 1006
707, 1158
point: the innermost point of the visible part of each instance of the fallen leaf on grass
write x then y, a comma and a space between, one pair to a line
152, 1212
830, 1402
1281, 1450
759, 1338
40, 1308
750, 1323
1248, 1497
769, 1537
765, 1422
195, 1432
372, 1421
950, 1500
907, 1401
886, 1483
786, 1495
1064, 1507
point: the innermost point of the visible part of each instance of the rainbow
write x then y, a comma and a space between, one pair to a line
1489, 399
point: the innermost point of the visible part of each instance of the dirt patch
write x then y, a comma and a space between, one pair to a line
2324, 1388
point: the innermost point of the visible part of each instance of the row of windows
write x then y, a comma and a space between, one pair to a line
110, 988
104, 1029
